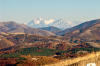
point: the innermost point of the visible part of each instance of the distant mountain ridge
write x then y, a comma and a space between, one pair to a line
51, 29
60, 23
82, 25
90, 32
13, 27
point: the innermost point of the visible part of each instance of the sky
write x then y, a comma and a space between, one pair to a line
23, 11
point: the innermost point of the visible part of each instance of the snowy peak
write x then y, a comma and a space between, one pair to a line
40, 20
37, 20
48, 22
60, 23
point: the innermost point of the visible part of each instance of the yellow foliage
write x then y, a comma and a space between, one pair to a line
41, 60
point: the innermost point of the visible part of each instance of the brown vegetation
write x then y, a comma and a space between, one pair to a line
8, 61
42, 60
90, 32
5, 43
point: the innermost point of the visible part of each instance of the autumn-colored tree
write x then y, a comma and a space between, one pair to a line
62, 46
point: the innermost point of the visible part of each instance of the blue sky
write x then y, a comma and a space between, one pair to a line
23, 11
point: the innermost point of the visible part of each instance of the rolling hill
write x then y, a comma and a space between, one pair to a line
90, 32
4, 43
13, 27
83, 25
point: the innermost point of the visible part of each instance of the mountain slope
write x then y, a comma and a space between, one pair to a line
12, 24
90, 32
83, 25
13, 27
50, 28
5, 43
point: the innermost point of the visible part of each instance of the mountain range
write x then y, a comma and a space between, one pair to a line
87, 31
60, 23
20, 42
13, 27
91, 30
82, 25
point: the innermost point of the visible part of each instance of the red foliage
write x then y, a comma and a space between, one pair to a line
7, 52
50, 45
62, 46
7, 61
73, 55
29, 64
79, 46
38, 50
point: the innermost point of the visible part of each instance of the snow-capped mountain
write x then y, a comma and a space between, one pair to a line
60, 23
39, 22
